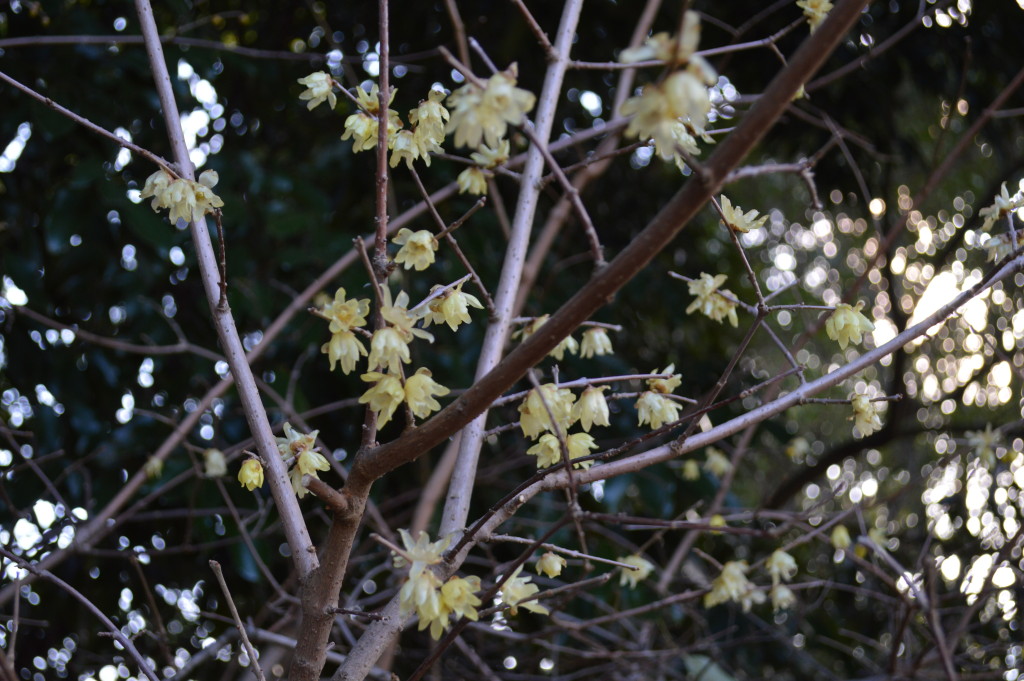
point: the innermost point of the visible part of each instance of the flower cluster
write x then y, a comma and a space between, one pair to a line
389, 390
186, 200
847, 324
815, 11
674, 112
344, 315
473, 180
642, 569
781, 566
483, 114
558, 352
1002, 205
300, 451
865, 413
732, 585
423, 592
362, 127
710, 301
654, 406
548, 449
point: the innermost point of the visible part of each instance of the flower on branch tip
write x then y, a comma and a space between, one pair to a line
717, 463
781, 566
847, 324
656, 409
214, 464
548, 449
783, 597
250, 475
840, 538
642, 569
732, 585
384, 396
319, 88
451, 308
815, 10
592, 408
185, 199
595, 342
417, 248
430, 118
517, 589
534, 418
473, 181
710, 301
345, 315
550, 564
1002, 205
345, 348
736, 219
865, 413
663, 47
420, 389
484, 114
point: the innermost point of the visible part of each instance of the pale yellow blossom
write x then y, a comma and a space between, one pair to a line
251, 474
984, 443
663, 47
665, 386
865, 414
682, 98
595, 342
1002, 205
420, 389
841, 538
345, 315
362, 126
417, 248
385, 395
153, 467
186, 200
472, 180
656, 409
548, 449
736, 219
214, 464
430, 118
711, 301
592, 408
798, 448
486, 157
295, 443
847, 324
815, 10
691, 470
484, 114
550, 564
732, 585
319, 88
534, 417
783, 597
717, 463
345, 348
642, 569
451, 308
781, 566
517, 589
405, 147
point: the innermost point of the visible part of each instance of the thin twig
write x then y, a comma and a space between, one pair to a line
249, 650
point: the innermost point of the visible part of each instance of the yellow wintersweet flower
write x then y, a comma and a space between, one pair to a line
251, 474
422, 551
798, 448
533, 412
420, 389
295, 443
985, 443
389, 347
153, 467
214, 464
732, 585
186, 200
736, 219
472, 180
642, 570
841, 538
663, 47
865, 414
319, 88
558, 352
458, 597
451, 308
815, 10
710, 301
595, 342
691, 470
362, 126
847, 324
783, 597
345, 348
417, 249
656, 409
484, 114
517, 589
781, 566
592, 408
548, 449
430, 118
658, 111
665, 386
717, 463
345, 315
384, 397
550, 564
405, 147
486, 157
421, 594
1002, 205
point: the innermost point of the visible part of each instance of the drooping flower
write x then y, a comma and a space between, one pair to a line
717, 463
558, 352
251, 474
736, 219
472, 180
548, 449
421, 551
550, 564
815, 10
847, 324
732, 585
404, 147
488, 158
592, 408
783, 597
682, 98
517, 589
153, 467
663, 47
484, 114
345, 348
533, 412
841, 538
417, 249
865, 414
385, 395
319, 88
595, 342
998, 246
656, 410
642, 570
389, 347
362, 126
1002, 205
451, 308
665, 386
421, 594
430, 118
781, 566
711, 301
214, 464
420, 389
